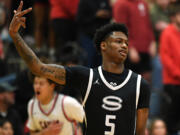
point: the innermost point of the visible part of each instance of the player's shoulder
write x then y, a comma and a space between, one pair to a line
69, 100
77, 68
31, 102
132, 73
135, 75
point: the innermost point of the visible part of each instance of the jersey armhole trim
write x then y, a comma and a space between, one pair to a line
89, 87
75, 128
138, 84
32, 106
138, 89
69, 119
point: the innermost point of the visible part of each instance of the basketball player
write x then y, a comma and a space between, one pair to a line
51, 113
116, 100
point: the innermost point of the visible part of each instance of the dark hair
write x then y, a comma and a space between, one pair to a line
3, 121
103, 32
71, 53
174, 8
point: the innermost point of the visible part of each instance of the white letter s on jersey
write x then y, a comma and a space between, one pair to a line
112, 103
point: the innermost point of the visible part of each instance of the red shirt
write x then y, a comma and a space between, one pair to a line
65, 9
170, 55
135, 14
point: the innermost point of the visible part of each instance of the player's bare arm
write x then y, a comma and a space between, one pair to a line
142, 116
50, 71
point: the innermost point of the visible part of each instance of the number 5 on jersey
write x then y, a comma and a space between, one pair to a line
109, 124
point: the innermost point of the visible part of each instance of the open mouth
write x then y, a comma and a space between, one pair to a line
37, 93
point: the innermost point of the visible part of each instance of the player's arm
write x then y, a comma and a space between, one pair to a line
50, 71
142, 115
142, 108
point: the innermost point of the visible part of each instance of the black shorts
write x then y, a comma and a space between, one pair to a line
144, 65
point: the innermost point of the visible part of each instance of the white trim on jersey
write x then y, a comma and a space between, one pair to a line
63, 110
109, 85
138, 84
89, 87
138, 89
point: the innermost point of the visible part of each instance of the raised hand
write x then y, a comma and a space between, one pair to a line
51, 71
18, 19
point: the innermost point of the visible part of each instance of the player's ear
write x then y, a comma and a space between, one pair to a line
103, 45
53, 85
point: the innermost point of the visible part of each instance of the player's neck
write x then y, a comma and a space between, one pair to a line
113, 67
47, 100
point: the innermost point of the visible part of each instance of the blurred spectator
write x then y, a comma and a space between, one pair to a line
160, 20
2, 24
150, 3
62, 17
159, 16
158, 127
41, 11
71, 55
7, 127
43, 31
6, 109
170, 57
91, 15
135, 14
3, 66
7, 5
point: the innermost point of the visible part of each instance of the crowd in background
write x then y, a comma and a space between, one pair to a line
62, 31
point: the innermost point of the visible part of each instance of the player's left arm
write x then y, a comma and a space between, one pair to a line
142, 116
142, 108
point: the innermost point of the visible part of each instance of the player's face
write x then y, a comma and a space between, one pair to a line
117, 47
43, 89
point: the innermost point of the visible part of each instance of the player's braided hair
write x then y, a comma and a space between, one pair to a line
103, 32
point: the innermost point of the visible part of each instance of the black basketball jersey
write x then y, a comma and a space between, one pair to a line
111, 108
110, 100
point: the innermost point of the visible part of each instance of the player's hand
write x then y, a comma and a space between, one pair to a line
134, 55
18, 19
54, 128
153, 49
